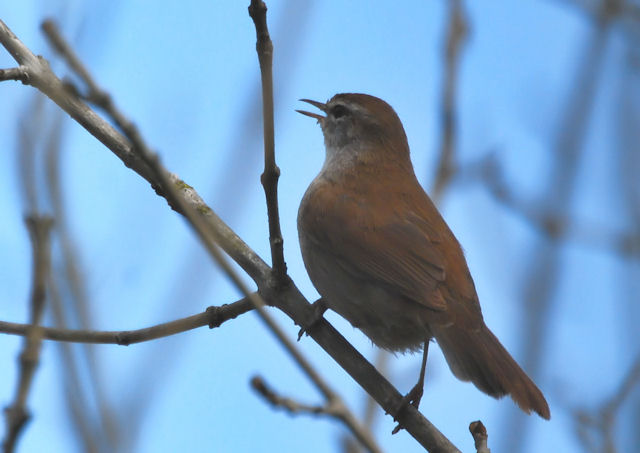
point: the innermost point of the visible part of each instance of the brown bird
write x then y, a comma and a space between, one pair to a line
381, 255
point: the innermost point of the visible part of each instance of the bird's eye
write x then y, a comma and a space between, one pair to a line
338, 111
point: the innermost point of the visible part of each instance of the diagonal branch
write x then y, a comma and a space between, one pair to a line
288, 299
265, 50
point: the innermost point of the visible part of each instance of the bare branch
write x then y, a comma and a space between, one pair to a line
17, 414
333, 408
213, 316
264, 46
290, 405
20, 73
129, 129
42, 78
287, 299
269, 178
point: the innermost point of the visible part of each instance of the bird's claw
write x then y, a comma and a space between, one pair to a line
318, 307
413, 397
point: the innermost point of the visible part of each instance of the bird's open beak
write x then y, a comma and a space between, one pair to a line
320, 105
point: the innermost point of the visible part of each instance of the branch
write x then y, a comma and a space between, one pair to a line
288, 299
20, 73
269, 178
334, 408
41, 77
17, 414
151, 159
212, 317
290, 405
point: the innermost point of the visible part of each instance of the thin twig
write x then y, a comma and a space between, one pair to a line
269, 178
289, 299
213, 316
20, 73
290, 405
17, 414
333, 408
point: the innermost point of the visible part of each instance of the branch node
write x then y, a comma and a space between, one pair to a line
213, 316
123, 338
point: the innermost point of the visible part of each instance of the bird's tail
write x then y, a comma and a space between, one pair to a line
478, 356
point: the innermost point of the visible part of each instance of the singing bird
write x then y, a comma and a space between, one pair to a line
381, 255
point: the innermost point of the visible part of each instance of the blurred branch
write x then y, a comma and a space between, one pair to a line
17, 414
334, 408
556, 225
480, 436
258, 13
185, 200
101, 433
78, 399
544, 266
457, 31
269, 178
615, 9
596, 429
213, 316
257, 10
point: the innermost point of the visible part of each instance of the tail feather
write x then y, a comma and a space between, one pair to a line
478, 356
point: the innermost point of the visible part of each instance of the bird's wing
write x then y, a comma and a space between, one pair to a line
402, 254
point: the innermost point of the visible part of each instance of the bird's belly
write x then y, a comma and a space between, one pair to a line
390, 320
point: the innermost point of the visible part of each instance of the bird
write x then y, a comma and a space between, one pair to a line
381, 255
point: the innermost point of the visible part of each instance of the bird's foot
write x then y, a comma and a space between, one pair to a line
318, 309
413, 397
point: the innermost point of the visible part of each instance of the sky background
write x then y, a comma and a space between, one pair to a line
187, 74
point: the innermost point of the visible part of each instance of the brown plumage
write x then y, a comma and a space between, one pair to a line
381, 255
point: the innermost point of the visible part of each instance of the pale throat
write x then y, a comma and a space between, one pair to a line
341, 158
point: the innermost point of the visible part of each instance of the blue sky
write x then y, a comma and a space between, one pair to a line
187, 74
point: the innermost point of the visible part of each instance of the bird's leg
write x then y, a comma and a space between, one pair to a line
415, 394
318, 307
